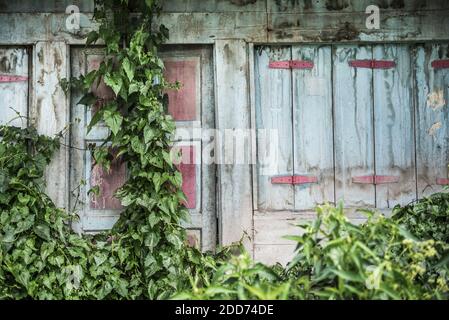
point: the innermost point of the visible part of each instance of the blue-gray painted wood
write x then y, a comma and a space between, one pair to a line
14, 95
313, 133
432, 117
393, 119
353, 120
274, 112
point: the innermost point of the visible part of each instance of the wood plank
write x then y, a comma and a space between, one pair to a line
258, 27
353, 116
44, 6
313, 123
235, 193
214, 6
287, 27
432, 118
394, 129
14, 95
274, 125
207, 27
50, 112
201, 175
352, 6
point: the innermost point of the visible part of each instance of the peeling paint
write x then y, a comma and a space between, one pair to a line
435, 100
347, 32
434, 128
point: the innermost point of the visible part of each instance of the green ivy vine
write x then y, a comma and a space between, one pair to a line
145, 255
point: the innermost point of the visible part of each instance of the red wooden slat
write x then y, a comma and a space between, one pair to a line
182, 102
293, 64
442, 181
440, 64
361, 63
375, 179
9, 78
294, 180
279, 65
372, 64
282, 180
383, 64
304, 179
187, 167
299, 64
108, 183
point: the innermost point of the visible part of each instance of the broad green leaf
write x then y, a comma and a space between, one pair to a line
129, 69
113, 120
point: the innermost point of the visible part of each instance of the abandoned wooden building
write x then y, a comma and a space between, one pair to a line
356, 92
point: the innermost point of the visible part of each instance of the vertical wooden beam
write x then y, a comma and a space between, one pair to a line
233, 115
50, 111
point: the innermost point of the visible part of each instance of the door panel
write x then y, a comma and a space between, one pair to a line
192, 106
432, 118
393, 120
96, 212
354, 137
313, 136
14, 84
274, 112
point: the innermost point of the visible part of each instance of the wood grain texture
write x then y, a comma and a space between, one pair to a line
313, 126
14, 95
50, 111
199, 174
235, 201
393, 126
432, 118
353, 116
274, 116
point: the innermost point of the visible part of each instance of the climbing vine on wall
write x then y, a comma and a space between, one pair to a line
145, 255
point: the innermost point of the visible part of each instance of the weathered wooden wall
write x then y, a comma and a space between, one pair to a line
233, 27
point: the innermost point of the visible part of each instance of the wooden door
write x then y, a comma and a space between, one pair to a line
191, 108
431, 68
353, 117
394, 141
295, 102
14, 84
374, 126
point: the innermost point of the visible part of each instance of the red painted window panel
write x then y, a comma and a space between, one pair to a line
182, 102
108, 183
187, 167
99, 90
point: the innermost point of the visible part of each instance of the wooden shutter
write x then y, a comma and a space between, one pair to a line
14, 82
432, 117
312, 126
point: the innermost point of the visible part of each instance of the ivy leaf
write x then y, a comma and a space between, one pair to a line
92, 37
43, 231
114, 81
149, 3
152, 240
88, 99
113, 120
148, 133
129, 69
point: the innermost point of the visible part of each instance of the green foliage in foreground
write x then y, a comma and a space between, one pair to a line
403, 257
336, 259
